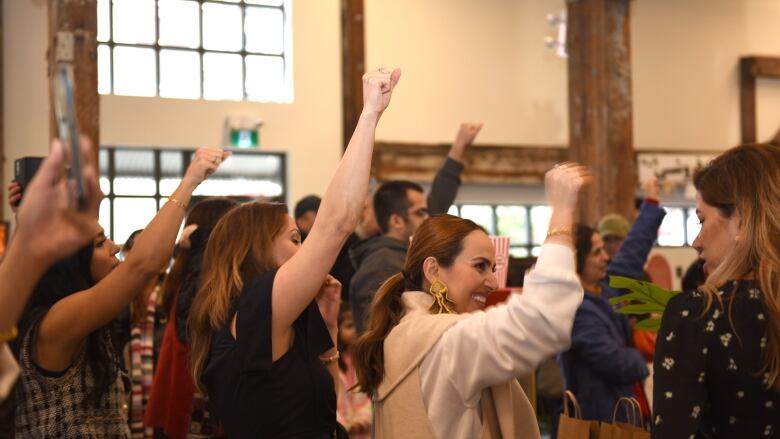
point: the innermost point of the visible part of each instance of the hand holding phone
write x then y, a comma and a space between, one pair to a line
68, 131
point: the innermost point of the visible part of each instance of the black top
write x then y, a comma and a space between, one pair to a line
708, 381
292, 397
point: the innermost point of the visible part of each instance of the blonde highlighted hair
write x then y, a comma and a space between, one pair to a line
745, 180
240, 247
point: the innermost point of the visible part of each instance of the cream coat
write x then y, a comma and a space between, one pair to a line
452, 376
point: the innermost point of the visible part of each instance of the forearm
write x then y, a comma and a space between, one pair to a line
561, 227
444, 188
343, 200
154, 247
19, 273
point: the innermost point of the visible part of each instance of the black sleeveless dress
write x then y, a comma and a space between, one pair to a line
255, 397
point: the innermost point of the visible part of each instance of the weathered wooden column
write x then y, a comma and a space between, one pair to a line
353, 56
600, 116
73, 39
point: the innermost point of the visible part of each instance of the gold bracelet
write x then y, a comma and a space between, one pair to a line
331, 359
555, 231
9, 335
178, 203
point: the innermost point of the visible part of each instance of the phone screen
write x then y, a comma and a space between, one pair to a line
67, 127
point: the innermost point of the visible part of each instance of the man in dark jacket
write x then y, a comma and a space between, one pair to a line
400, 208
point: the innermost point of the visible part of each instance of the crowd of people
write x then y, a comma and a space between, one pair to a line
360, 317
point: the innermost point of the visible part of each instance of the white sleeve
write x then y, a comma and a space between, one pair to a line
508, 341
9, 370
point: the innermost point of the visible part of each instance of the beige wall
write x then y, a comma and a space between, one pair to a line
25, 88
462, 60
467, 60
685, 70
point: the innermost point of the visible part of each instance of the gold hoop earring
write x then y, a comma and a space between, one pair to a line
441, 303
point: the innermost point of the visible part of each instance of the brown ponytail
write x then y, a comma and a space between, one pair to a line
440, 237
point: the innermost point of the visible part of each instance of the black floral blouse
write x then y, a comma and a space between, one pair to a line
707, 370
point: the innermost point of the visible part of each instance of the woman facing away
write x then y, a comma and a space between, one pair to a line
171, 410
71, 384
717, 361
262, 347
435, 363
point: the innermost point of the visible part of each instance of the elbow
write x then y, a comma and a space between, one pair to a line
341, 225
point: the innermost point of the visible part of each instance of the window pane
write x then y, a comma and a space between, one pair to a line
222, 76
179, 23
105, 185
453, 210
671, 232
104, 21
134, 21
512, 222
482, 215
134, 173
171, 170
540, 221
265, 2
693, 225
222, 27
179, 74
135, 71
264, 28
104, 69
132, 214
238, 187
535, 251
264, 78
518, 252
104, 216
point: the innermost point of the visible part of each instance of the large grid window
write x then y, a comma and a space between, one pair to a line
526, 225
137, 182
191, 49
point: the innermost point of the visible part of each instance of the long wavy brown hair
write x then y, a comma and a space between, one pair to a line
239, 248
438, 236
746, 180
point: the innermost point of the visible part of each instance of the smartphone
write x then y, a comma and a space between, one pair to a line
67, 128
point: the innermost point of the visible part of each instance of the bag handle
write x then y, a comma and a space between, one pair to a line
631, 416
568, 397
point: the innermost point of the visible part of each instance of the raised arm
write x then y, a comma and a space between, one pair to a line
446, 183
630, 260
299, 280
48, 228
511, 340
68, 323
